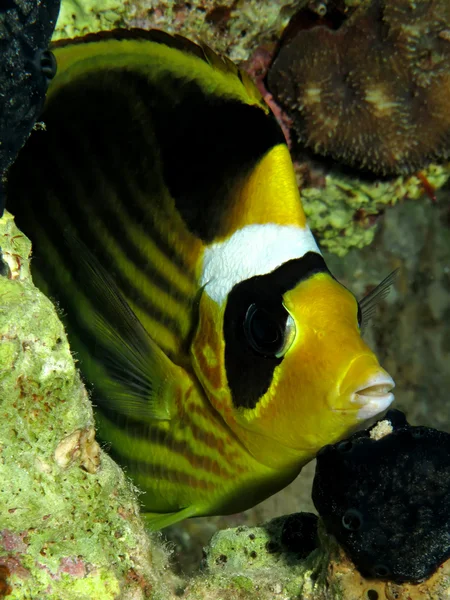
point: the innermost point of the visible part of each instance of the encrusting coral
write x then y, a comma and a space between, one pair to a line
370, 89
69, 519
230, 29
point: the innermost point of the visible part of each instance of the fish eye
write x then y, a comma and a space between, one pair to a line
268, 333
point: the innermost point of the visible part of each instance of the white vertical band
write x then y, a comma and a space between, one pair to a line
250, 251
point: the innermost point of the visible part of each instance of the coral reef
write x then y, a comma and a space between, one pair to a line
251, 563
344, 210
411, 334
79, 17
385, 496
69, 524
26, 67
228, 27
386, 112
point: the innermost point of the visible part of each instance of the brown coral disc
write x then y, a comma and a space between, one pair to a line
374, 93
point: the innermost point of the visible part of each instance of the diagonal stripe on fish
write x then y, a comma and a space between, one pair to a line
166, 222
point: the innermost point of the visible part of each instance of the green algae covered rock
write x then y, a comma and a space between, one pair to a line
229, 29
79, 17
252, 563
249, 563
69, 521
343, 210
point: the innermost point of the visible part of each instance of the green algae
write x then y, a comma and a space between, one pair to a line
69, 525
231, 28
79, 17
343, 212
250, 563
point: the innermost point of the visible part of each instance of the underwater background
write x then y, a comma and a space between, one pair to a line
368, 222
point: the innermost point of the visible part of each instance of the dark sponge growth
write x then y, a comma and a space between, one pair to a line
26, 67
299, 534
387, 500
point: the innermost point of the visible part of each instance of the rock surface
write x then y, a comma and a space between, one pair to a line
250, 563
26, 67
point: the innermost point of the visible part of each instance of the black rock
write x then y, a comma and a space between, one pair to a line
387, 501
299, 534
26, 67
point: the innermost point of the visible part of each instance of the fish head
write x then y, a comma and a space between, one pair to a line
329, 381
286, 366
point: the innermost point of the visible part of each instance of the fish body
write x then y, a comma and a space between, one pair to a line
166, 221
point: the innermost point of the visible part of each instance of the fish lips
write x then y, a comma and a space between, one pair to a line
365, 388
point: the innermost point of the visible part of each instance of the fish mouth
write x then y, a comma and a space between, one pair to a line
375, 396
366, 387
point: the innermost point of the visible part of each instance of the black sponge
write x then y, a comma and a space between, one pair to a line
26, 66
387, 501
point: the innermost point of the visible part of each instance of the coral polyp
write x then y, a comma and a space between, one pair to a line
371, 90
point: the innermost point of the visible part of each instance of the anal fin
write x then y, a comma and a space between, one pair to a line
157, 521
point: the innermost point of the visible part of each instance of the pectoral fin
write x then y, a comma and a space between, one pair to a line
156, 521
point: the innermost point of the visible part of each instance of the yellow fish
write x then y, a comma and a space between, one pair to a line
166, 221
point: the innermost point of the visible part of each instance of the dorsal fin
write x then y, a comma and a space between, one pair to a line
153, 35
218, 62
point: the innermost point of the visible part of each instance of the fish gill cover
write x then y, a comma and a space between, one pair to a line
26, 67
387, 498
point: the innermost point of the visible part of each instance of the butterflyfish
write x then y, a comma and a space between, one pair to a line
167, 224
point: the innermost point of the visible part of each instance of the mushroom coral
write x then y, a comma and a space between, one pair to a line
370, 89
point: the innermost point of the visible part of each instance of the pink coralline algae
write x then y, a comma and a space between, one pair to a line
371, 87
13, 542
73, 565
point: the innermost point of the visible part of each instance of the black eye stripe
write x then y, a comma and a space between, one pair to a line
250, 370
